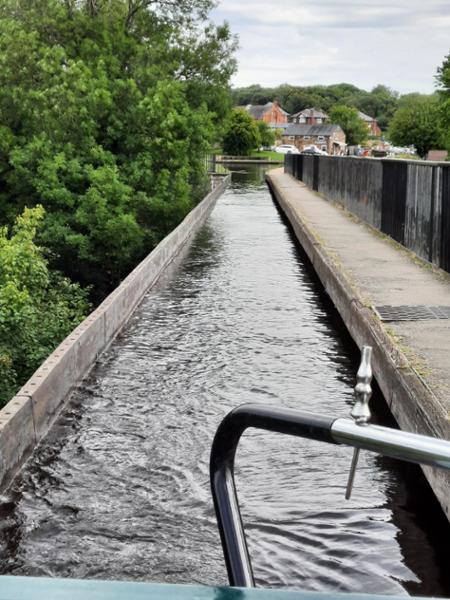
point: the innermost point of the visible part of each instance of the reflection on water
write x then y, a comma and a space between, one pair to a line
120, 487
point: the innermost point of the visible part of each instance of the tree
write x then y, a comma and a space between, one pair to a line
443, 81
241, 133
418, 123
354, 127
266, 135
380, 103
107, 110
443, 76
38, 308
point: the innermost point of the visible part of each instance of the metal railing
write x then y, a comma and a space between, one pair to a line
408, 200
405, 446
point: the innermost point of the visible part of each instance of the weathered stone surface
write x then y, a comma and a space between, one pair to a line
17, 435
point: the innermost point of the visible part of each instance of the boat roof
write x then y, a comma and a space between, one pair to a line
37, 588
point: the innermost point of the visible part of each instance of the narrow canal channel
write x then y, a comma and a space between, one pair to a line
120, 489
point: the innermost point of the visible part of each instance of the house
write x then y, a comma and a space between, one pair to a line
372, 124
310, 116
271, 113
437, 155
330, 138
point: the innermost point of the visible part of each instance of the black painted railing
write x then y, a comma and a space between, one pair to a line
405, 199
389, 442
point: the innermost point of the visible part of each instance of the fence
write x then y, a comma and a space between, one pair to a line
407, 200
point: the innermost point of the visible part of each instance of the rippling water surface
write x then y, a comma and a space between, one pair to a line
120, 487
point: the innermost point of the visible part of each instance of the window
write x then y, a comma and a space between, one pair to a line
320, 138
319, 120
324, 148
292, 137
302, 120
306, 137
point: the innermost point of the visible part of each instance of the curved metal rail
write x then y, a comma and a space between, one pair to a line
389, 442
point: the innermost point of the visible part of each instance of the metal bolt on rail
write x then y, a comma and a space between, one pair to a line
360, 411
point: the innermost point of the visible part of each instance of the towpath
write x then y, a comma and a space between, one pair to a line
362, 270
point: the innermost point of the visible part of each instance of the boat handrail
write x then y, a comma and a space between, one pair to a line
398, 444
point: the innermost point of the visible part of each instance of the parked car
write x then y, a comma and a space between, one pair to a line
314, 150
287, 149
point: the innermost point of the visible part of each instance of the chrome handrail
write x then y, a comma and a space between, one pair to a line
406, 446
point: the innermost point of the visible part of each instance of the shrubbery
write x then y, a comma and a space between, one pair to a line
38, 307
241, 133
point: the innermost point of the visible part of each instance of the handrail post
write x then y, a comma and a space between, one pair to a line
223, 488
411, 447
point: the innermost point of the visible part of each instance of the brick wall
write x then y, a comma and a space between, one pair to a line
274, 115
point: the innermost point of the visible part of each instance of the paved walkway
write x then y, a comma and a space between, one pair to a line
361, 268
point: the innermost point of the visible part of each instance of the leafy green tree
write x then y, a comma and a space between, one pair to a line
380, 103
418, 123
38, 308
354, 127
266, 135
107, 110
414, 98
443, 76
241, 134
253, 94
443, 81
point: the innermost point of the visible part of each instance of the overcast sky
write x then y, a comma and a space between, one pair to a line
399, 43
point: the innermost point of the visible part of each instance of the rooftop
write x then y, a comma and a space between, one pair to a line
365, 117
257, 110
311, 113
305, 129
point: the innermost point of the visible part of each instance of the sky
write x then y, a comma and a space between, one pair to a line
399, 43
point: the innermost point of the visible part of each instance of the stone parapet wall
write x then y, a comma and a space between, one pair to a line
28, 416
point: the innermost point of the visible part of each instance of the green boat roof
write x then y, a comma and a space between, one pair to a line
43, 588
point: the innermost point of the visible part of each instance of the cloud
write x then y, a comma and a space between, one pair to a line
343, 14
396, 42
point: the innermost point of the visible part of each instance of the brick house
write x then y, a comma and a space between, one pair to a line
309, 116
371, 123
330, 138
271, 113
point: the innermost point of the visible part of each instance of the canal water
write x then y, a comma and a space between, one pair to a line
120, 488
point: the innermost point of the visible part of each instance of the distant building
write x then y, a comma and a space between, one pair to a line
372, 124
437, 155
329, 138
271, 113
309, 116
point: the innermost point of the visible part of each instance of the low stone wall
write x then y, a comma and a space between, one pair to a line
28, 416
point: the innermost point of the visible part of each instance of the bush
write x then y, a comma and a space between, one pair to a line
241, 134
38, 308
107, 111
267, 135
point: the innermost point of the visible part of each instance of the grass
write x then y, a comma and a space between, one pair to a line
406, 156
270, 154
